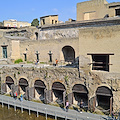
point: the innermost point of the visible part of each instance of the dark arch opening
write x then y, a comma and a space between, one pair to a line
23, 83
103, 95
36, 34
80, 92
40, 87
69, 54
58, 89
9, 81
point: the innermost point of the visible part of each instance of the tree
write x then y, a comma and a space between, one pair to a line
1, 23
35, 22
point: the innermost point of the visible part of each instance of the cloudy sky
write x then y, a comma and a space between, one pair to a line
27, 10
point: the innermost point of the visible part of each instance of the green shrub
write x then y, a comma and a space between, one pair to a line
18, 60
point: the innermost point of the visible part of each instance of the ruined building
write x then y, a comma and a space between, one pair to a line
92, 41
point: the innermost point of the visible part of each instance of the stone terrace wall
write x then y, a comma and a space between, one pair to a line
47, 75
68, 77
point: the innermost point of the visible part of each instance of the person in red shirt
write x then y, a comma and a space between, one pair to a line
56, 62
15, 95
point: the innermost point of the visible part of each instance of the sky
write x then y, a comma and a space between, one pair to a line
27, 10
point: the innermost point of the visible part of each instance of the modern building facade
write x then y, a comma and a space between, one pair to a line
15, 23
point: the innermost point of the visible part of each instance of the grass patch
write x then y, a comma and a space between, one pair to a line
18, 61
38, 101
29, 62
42, 62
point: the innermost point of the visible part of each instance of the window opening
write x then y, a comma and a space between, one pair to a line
56, 22
69, 54
52, 21
25, 56
4, 51
43, 21
50, 56
117, 12
100, 62
37, 55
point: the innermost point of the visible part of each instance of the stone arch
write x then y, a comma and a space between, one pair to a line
58, 90
23, 84
104, 97
58, 86
80, 92
36, 35
9, 82
37, 78
39, 89
53, 81
97, 86
68, 54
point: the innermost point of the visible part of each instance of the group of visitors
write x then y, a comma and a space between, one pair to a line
16, 96
81, 105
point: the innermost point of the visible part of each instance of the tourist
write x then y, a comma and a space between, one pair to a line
112, 114
21, 97
67, 105
56, 62
15, 95
81, 105
36, 62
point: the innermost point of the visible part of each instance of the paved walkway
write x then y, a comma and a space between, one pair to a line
50, 110
33, 65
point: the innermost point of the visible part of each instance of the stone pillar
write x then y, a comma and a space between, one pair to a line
64, 96
111, 105
94, 103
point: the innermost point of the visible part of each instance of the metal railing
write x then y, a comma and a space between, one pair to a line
45, 109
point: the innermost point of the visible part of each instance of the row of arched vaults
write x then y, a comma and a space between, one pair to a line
57, 94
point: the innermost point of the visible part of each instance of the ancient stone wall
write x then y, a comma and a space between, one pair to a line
102, 40
59, 34
44, 46
47, 75
68, 77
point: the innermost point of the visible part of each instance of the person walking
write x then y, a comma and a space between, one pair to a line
56, 62
21, 97
67, 105
81, 105
112, 114
15, 95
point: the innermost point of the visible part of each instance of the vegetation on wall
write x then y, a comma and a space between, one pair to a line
18, 61
66, 80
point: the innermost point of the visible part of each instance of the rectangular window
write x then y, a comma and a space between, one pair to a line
4, 49
100, 62
52, 21
25, 56
117, 12
56, 22
43, 21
